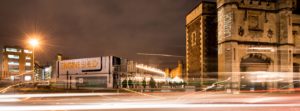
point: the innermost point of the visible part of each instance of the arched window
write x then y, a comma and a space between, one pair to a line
194, 39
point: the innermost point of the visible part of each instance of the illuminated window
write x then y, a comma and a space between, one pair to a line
13, 50
13, 56
27, 64
27, 78
28, 58
28, 69
14, 70
13, 63
27, 51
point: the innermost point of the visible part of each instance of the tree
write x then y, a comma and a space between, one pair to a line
144, 83
152, 83
124, 83
130, 83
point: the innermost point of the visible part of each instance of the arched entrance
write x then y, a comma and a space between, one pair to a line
253, 67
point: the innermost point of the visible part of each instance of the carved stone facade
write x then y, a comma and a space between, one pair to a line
257, 49
201, 57
258, 43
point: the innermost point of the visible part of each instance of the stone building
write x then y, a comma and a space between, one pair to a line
201, 44
257, 42
175, 72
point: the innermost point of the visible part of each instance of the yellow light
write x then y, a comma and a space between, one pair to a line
151, 69
33, 42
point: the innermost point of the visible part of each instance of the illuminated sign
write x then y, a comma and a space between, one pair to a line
260, 49
80, 65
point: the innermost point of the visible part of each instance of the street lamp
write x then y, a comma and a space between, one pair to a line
34, 43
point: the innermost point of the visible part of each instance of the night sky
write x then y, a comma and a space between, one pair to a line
91, 28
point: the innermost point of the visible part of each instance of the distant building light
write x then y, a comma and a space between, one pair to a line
27, 64
13, 56
12, 50
48, 69
12, 78
151, 69
27, 51
13, 63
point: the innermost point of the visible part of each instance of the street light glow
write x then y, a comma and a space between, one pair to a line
33, 42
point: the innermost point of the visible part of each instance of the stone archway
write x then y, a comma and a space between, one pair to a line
251, 67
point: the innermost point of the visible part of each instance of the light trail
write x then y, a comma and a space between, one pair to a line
137, 106
53, 95
262, 99
8, 87
158, 97
164, 55
9, 100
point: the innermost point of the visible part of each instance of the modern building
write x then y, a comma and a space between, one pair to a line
100, 72
201, 44
43, 72
17, 63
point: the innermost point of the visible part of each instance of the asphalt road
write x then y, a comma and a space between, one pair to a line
134, 101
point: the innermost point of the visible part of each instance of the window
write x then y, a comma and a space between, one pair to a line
13, 56
13, 63
14, 70
28, 58
27, 78
194, 39
13, 50
27, 64
27, 51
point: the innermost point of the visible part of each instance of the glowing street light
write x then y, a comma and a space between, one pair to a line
34, 43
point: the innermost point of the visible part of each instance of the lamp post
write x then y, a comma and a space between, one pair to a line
33, 42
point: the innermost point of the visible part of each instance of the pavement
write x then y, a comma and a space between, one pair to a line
158, 101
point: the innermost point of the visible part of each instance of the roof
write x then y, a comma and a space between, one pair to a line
202, 1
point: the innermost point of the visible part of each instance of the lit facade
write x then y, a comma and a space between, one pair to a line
17, 63
257, 43
102, 72
201, 44
176, 72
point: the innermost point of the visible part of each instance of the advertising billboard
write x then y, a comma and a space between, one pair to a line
77, 66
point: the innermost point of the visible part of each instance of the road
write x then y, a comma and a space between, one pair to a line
134, 101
